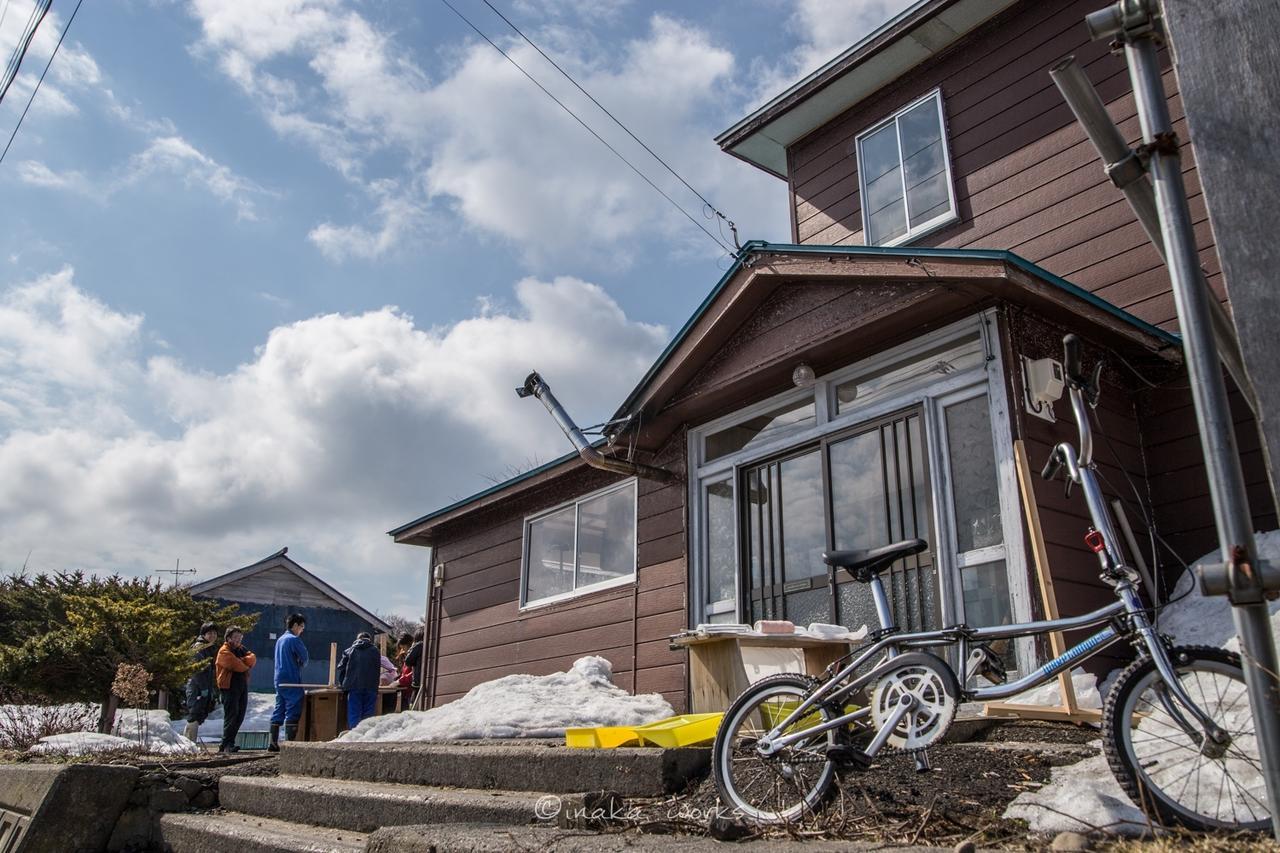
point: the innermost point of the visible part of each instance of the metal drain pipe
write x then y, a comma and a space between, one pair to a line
536, 386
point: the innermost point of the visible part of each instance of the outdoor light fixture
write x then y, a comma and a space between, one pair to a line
803, 376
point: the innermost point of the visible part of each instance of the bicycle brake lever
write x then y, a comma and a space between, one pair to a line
1067, 489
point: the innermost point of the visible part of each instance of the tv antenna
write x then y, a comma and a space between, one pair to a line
177, 570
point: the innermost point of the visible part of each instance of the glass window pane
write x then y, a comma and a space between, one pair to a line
858, 492
757, 429
721, 566
550, 568
607, 537
881, 170
923, 158
986, 595
943, 360
804, 535
973, 475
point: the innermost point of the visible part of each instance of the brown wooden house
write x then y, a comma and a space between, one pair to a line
863, 383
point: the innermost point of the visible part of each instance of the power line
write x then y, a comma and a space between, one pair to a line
24, 43
585, 126
615, 119
4, 11
41, 80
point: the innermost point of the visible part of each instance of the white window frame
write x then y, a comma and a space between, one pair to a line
931, 393
623, 580
939, 221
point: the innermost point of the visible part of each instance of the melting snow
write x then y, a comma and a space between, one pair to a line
523, 706
1085, 796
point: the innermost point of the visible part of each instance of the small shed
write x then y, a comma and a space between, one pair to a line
277, 586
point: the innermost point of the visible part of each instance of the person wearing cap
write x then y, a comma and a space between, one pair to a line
202, 695
358, 675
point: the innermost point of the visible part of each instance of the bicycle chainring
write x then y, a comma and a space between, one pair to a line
935, 703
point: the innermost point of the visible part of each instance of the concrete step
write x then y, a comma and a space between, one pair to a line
219, 833
473, 838
364, 806
510, 765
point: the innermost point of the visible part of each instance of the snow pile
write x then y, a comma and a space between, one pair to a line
1080, 798
1084, 683
523, 706
83, 743
257, 718
151, 729
1085, 796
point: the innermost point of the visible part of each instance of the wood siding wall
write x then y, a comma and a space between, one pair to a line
1118, 453
275, 586
1026, 178
484, 635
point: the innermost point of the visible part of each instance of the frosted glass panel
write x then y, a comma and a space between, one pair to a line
973, 475
551, 555
986, 595
720, 552
811, 606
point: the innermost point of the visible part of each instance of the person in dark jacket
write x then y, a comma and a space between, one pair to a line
358, 674
291, 657
202, 692
413, 659
232, 667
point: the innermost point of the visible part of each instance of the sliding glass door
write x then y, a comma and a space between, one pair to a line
861, 488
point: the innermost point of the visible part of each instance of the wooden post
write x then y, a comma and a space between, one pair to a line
333, 664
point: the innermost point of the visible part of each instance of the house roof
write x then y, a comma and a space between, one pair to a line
280, 560
973, 275
922, 31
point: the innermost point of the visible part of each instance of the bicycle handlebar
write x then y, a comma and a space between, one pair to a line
1071, 359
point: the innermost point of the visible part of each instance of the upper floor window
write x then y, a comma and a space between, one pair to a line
588, 544
904, 174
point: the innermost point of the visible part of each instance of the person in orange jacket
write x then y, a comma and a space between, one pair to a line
232, 671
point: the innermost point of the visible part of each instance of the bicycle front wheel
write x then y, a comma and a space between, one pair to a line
1162, 767
782, 787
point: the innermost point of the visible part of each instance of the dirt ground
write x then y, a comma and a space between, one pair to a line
961, 800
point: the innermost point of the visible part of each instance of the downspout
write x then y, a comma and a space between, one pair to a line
534, 386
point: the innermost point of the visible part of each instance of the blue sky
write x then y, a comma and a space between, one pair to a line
271, 268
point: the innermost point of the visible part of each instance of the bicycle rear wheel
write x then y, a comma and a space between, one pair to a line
782, 787
1163, 768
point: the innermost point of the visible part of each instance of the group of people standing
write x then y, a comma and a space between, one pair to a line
224, 676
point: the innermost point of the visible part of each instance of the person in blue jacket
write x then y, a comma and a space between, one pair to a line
291, 657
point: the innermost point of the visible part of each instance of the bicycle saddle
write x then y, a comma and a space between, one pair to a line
863, 564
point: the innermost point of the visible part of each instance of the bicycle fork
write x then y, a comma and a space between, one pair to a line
1212, 738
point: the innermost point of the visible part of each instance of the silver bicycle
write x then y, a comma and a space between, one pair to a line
1177, 728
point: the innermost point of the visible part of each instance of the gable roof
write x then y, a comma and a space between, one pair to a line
922, 31
972, 275
280, 560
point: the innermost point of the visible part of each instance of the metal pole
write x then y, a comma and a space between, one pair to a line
1126, 170
1135, 23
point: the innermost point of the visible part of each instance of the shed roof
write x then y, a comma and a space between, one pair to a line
920, 32
280, 560
973, 276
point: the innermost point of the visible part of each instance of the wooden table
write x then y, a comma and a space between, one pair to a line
718, 674
324, 709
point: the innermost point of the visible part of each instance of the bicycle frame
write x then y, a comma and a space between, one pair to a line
1125, 618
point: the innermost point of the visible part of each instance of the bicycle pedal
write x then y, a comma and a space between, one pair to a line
848, 757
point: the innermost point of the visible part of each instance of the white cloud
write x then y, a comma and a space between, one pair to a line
168, 156
492, 148
337, 429
824, 29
